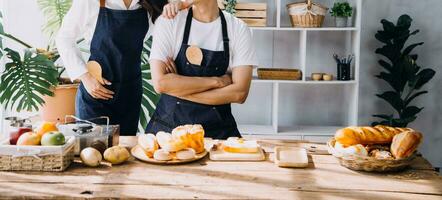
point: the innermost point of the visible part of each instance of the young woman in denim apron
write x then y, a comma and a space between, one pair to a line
116, 44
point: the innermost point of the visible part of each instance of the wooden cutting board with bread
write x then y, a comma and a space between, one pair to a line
237, 149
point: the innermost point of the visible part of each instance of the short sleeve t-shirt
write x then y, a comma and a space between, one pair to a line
168, 37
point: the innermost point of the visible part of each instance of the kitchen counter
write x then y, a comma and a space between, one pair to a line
205, 179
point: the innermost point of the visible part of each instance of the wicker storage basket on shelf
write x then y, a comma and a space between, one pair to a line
306, 14
36, 158
369, 164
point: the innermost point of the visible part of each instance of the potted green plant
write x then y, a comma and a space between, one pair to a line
341, 11
401, 71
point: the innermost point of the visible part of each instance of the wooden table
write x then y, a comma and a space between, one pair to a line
205, 179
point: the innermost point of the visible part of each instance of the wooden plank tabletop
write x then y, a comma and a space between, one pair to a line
205, 179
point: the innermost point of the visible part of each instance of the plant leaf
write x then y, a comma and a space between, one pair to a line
411, 47
386, 65
423, 77
149, 97
393, 98
408, 101
404, 22
410, 111
54, 12
25, 80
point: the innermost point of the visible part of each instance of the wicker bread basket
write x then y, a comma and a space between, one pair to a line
279, 74
369, 164
307, 14
36, 158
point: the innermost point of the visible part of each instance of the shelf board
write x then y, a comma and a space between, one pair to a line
309, 130
334, 82
288, 131
256, 129
270, 28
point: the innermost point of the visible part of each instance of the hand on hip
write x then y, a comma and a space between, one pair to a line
94, 88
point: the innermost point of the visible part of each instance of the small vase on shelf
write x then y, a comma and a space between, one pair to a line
341, 21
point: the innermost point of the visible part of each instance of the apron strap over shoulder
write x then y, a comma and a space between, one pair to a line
102, 3
225, 35
187, 27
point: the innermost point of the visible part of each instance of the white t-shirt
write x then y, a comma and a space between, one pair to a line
168, 36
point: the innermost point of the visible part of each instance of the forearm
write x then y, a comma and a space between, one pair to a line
236, 92
178, 85
220, 96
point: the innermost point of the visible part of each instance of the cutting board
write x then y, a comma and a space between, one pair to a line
221, 155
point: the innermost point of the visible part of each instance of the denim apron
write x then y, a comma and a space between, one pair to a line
218, 121
116, 45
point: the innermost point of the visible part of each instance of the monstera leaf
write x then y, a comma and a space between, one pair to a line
150, 97
401, 72
25, 80
54, 12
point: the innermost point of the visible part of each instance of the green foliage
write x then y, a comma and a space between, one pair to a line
230, 6
25, 80
54, 12
150, 97
341, 9
401, 72
2, 32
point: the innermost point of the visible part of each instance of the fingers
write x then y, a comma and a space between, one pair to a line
170, 10
100, 92
106, 82
104, 95
170, 66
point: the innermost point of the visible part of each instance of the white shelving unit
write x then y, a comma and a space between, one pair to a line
316, 131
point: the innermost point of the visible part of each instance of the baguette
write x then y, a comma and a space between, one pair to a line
405, 143
367, 135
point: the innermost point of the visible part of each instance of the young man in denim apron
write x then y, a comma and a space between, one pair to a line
201, 92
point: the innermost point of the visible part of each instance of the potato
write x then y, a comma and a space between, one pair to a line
116, 155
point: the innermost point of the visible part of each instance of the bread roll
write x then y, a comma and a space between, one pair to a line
367, 135
186, 154
354, 150
405, 143
168, 143
162, 155
381, 154
196, 133
148, 143
191, 135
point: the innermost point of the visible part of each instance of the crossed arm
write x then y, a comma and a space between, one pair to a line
204, 90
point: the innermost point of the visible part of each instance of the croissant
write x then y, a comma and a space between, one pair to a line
367, 135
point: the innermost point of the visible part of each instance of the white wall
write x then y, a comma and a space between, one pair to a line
23, 19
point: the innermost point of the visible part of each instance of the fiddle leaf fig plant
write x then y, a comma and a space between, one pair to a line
401, 71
